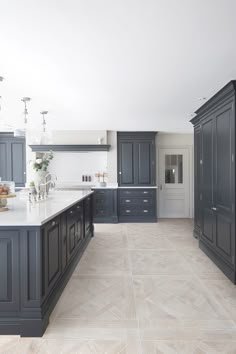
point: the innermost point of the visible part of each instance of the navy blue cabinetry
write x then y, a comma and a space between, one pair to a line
105, 205
136, 158
137, 205
12, 159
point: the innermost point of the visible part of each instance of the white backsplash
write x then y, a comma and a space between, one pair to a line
70, 166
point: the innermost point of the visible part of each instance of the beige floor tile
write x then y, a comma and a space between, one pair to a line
188, 347
183, 242
104, 298
105, 241
146, 241
105, 262
76, 346
19, 345
174, 298
146, 262
200, 263
199, 330
224, 291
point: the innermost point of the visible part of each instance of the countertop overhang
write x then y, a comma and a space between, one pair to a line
24, 213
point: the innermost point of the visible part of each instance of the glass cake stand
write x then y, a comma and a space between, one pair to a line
3, 201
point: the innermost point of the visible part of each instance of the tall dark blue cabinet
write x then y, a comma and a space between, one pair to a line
214, 162
12, 159
136, 176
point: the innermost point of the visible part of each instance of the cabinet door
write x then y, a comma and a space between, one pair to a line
3, 161
223, 183
126, 173
88, 216
208, 217
71, 234
9, 271
144, 163
18, 166
79, 224
197, 176
63, 241
52, 253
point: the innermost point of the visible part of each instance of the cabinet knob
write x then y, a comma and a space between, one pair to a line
127, 200
53, 223
145, 192
127, 211
78, 207
145, 211
120, 173
71, 212
145, 200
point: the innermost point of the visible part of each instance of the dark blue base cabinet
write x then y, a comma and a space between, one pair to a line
137, 205
105, 205
35, 265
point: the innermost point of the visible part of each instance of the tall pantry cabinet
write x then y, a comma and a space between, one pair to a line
214, 163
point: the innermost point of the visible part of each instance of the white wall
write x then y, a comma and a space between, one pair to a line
112, 156
69, 167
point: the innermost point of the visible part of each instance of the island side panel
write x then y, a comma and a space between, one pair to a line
34, 269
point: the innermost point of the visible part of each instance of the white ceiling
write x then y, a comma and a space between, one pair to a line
115, 64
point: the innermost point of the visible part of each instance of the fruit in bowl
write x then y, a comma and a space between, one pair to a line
4, 190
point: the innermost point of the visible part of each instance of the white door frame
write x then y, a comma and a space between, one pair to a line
190, 173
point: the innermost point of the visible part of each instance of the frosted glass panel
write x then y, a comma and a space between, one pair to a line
174, 169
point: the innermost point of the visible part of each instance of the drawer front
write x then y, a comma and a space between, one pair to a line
137, 201
137, 193
99, 202
101, 212
137, 211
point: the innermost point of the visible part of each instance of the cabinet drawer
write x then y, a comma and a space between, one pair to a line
101, 212
101, 202
137, 201
137, 193
137, 211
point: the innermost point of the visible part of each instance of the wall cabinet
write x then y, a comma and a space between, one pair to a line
13, 159
136, 158
105, 206
214, 133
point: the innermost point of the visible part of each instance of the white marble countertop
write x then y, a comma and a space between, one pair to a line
24, 213
89, 185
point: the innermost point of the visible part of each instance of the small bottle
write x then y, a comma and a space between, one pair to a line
86, 178
83, 178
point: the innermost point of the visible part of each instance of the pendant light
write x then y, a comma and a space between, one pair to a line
45, 136
23, 131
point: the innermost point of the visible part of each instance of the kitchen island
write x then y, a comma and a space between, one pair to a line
40, 246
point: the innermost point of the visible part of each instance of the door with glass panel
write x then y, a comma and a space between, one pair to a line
174, 177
